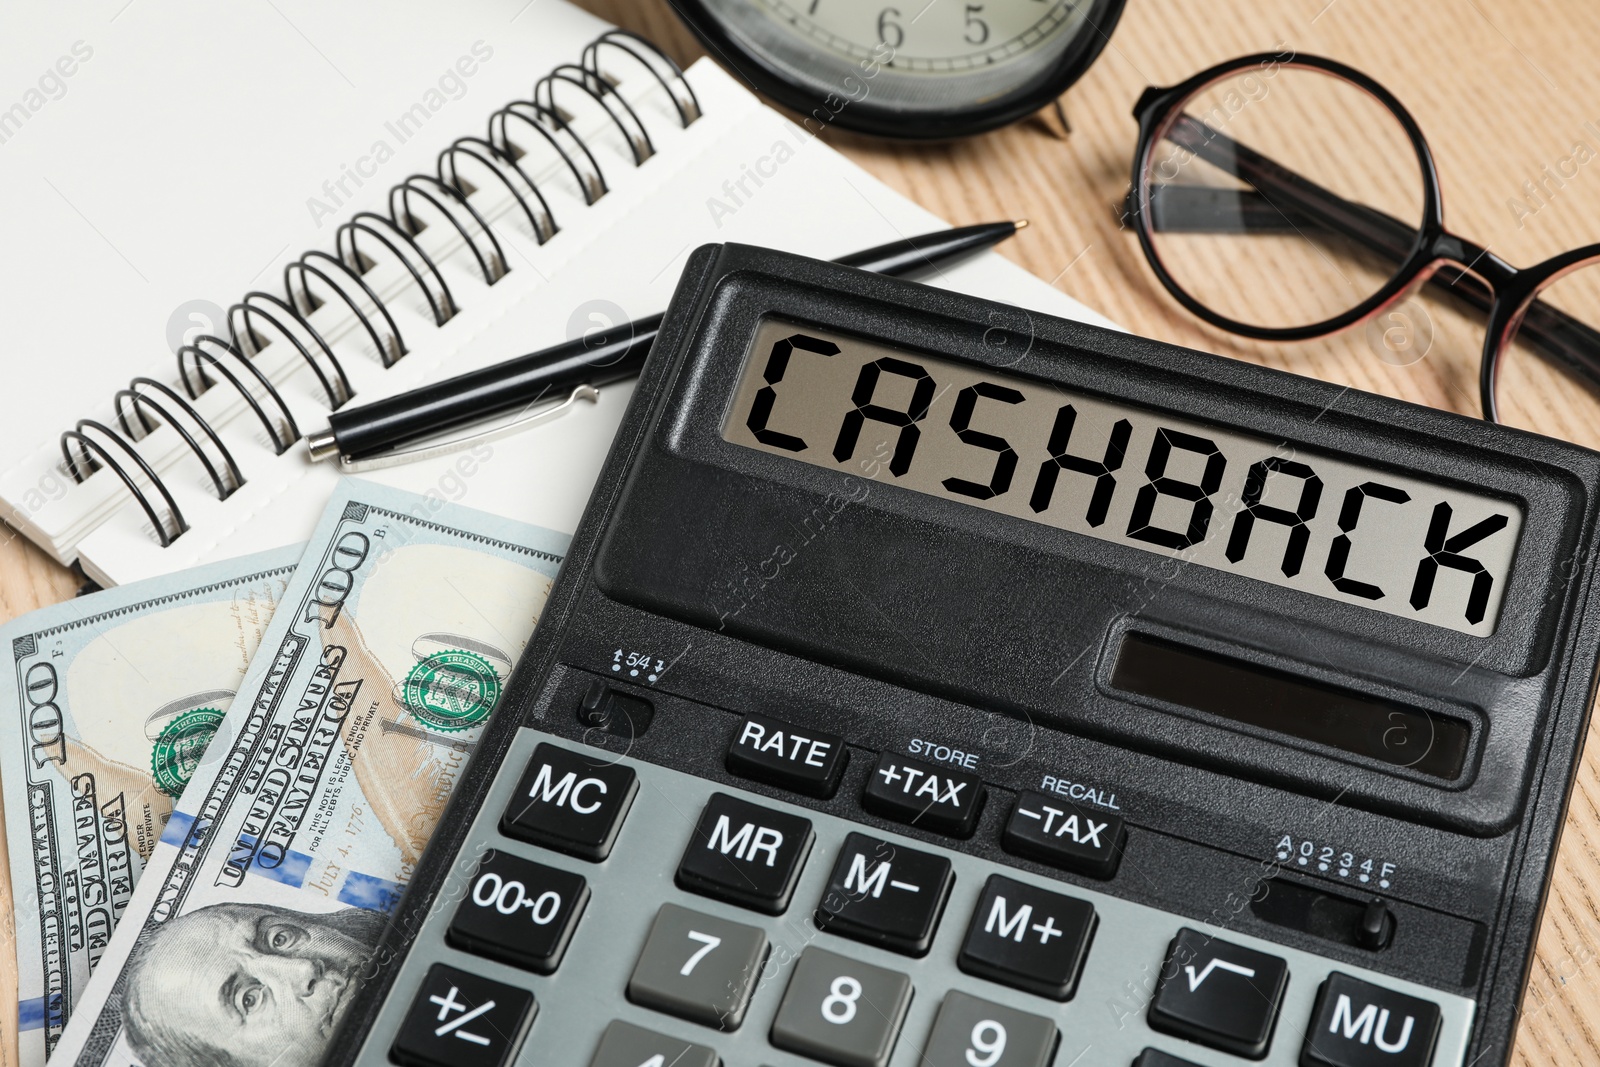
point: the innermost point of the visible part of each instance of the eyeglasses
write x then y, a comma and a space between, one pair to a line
1287, 197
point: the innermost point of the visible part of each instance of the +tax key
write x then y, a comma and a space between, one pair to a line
924, 795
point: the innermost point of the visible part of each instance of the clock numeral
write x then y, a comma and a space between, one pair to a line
888, 28
977, 29
814, 4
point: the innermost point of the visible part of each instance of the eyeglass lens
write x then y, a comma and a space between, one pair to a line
1282, 197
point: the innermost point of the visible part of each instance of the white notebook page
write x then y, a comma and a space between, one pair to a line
177, 163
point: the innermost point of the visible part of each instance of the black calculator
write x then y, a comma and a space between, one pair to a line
936, 684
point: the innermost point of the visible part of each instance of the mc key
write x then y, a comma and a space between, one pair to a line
571, 803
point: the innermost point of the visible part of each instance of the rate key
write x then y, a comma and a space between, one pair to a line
1064, 835
791, 757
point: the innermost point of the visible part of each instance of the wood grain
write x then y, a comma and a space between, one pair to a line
1503, 89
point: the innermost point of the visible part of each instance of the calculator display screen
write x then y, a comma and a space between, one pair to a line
1180, 488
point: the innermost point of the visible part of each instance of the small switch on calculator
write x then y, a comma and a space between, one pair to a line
569, 802
462, 1020
519, 912
745, 854
622, 714
924, 795
885, 894
1219, 994
1028, 938
1063, 835
767, 750
1358, 1024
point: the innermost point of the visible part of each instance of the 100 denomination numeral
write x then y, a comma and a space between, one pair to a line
46, 729
334, 585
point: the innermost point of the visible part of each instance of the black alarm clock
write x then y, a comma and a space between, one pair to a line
912, 70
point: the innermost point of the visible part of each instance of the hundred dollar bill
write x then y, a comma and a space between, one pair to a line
8, 955
262, 902
110, 701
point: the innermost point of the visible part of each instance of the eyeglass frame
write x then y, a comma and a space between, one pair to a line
1510, 289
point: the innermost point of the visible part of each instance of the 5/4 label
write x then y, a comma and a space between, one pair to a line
641, 665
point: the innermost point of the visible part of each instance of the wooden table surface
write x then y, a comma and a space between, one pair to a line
1502, 89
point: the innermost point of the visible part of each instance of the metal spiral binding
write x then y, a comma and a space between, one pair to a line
262, 318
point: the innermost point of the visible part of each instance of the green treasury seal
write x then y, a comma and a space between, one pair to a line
179, 747
452, 690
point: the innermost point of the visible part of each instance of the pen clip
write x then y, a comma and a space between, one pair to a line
396, 458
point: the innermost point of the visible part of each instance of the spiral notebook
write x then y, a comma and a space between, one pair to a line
223, 246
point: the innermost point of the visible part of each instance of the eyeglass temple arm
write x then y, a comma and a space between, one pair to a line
1297, 203
1209, 209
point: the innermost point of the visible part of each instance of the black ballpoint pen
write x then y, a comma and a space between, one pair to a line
370, 434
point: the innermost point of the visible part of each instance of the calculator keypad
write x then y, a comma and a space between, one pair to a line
1218, 993
842, 1011
807, 761
1063, 835
698, 967
1154, 1057
1028, 938
924, 795
626, 1045
570, 802
653, 965
1358, 1024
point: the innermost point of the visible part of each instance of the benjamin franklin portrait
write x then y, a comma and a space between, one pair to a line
244, 985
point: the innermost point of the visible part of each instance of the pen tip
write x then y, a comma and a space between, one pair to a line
1021, 224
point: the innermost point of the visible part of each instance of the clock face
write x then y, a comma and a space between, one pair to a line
915, 35
906, 68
